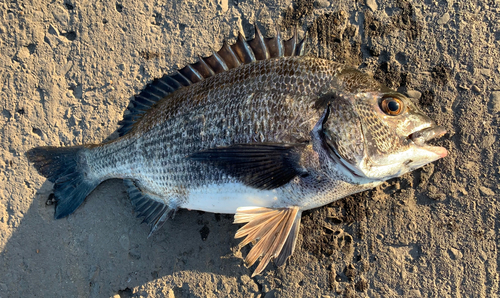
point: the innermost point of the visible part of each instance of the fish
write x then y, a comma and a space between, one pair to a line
259, 129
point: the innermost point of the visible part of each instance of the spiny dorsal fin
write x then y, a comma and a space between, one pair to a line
228, 57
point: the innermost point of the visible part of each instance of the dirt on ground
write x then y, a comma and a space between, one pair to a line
68, 69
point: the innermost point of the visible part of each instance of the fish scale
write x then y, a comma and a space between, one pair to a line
258, 130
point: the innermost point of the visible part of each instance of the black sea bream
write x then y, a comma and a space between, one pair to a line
257, 130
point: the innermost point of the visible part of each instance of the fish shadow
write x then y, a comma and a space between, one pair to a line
102, 249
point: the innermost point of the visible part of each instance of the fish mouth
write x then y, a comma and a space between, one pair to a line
420, 138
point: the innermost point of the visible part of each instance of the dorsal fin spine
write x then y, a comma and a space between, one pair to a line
291, 44
191, 73
140, 105
207, 67
243, 50
231, 58
275, 45
147, 96
159, 91
181, 78
153, 93
301, 46
166, 86
279, 43
172, 82
221, 61
258, 45
201, 68
142, 100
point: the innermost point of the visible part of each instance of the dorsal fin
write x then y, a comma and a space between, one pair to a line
228, 57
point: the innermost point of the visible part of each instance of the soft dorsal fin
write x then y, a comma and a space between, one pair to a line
228, 57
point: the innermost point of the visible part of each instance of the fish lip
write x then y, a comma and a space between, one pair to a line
420, 138
426, 134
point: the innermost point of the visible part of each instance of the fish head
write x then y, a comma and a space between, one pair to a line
379, 135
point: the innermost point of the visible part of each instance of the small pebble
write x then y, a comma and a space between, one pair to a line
486, 191
53, 30
322, 3
485, 72
125, 241
495, 101
414, 94
372, 4
454, 254
444, 19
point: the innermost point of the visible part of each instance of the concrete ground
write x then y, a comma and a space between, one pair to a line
68, 69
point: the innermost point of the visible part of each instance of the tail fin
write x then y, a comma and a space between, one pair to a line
67, 169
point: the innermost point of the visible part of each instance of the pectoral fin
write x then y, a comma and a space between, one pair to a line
275, 229
262, 166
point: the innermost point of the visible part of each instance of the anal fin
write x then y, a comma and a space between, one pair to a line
275, 229
154, 211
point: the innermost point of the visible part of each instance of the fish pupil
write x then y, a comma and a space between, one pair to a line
393, 106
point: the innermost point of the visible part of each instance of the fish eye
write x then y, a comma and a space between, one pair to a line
392, 106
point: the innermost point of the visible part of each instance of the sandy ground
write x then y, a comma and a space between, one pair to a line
69, 68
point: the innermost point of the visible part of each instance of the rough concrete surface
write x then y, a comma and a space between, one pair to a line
68, 69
